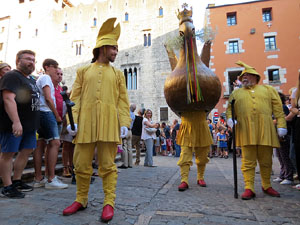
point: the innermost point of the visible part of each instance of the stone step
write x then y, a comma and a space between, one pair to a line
30, 163
28, 173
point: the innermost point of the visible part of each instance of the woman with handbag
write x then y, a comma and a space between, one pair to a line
295, 98
148, 135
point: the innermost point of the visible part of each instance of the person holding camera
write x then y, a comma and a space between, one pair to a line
149, 135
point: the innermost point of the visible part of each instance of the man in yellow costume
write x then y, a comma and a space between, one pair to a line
193, 136
255, 131
101, 113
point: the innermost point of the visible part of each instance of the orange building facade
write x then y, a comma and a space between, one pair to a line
264, 34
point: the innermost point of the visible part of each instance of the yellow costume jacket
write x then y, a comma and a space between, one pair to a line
194, 130
254, 108
101, 103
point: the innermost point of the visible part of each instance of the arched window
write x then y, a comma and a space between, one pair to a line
134, 79
125, 74
126, 16
129, 79
145, 39
66, 26
76, 49
95, 22
161, 11
149, 39
36, 32
79, 50
20, 34
29, 15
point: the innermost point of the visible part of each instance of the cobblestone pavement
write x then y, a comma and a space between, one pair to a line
149, 196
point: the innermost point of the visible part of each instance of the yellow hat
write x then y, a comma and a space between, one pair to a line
108, 34
248, 69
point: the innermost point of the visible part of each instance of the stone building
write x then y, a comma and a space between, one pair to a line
57, 29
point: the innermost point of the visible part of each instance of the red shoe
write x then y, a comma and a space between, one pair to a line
248, 194
270, 191
76, 206
201, 183
107, 213
183, 186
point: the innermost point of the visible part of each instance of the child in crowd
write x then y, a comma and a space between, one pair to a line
222, 140
163, 144
217, 133
215, 144
157, 140
169, 147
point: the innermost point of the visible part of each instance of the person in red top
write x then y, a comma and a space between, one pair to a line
56, 79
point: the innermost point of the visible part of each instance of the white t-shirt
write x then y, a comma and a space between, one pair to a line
293, 95
42, 81
145, 134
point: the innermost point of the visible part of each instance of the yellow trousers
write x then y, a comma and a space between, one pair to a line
83, 157
262, 154
185, 161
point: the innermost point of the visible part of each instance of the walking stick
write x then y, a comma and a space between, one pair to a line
69, 105
234, 150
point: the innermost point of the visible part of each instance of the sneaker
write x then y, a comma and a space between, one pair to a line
170, 154
278, 179
286, 181
122, 167
21, 186
12, 192
296, 177
55, 184
41, 183
297, 186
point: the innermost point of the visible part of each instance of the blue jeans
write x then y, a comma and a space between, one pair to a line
48, 127
177, 149
149, 152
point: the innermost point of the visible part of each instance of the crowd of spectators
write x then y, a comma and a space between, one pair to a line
154, 138
32, 111
222, 139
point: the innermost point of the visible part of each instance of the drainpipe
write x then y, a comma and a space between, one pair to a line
6, 44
